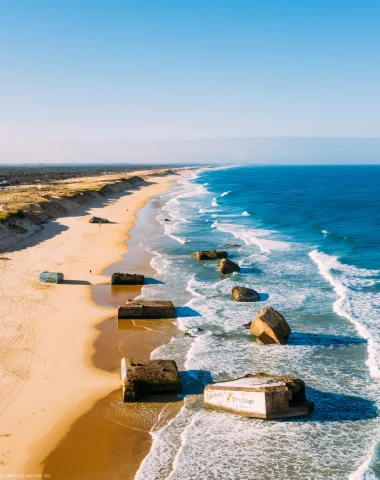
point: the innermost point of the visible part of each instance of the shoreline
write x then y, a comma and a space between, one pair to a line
64, 389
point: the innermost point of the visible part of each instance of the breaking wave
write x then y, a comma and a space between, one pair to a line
352, 304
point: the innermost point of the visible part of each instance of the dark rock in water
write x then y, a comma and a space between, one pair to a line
189, 335
233, 245
260, 396
246, 325
148, 377
227, 266
209, 254
243, 294
99, 220
167, 219
270, 327
127, 279
146, 309
199, 329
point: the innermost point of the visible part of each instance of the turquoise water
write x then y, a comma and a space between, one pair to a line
310, 244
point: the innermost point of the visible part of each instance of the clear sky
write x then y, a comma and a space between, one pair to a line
78, 73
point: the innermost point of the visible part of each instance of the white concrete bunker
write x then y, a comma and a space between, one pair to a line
260, 396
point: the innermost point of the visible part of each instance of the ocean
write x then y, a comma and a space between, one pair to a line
309, 243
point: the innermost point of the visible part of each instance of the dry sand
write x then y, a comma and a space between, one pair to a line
60, 406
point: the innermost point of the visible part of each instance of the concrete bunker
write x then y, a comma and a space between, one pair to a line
51, 277
127, 279
148, 377
260, 395
209, 254
146, 309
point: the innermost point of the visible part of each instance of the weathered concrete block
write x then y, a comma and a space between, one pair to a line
209, 254
50, 277
148, 377
143, 309
127, 279
269, 326
243, 294
227, 266
98, 220
260, 396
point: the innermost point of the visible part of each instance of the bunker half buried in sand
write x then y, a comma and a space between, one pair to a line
119, 278
148, 377
146, 309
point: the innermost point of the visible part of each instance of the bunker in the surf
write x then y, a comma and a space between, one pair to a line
209, 254
127, 279
244, 294
227, 266
50, 277
270, 327
148, 377
260, 396
146, 309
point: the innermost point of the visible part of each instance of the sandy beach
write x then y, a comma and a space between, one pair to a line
61, 413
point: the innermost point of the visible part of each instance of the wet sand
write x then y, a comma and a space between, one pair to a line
112, 439
61, 410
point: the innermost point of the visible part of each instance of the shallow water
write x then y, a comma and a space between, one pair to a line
310, 245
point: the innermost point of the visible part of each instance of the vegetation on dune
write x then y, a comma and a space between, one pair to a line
7, 214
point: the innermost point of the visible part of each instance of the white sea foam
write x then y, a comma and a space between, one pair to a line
224, 194
179, 239
225, 215
206, 210
171, 230
352, 304
246, 214
252, 236
364, 472
214, 203
200, 190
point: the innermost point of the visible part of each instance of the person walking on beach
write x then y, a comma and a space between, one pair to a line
90, 271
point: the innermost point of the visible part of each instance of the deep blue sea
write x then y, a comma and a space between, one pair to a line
310, 245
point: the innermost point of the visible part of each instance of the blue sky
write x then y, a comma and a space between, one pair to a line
80, 72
